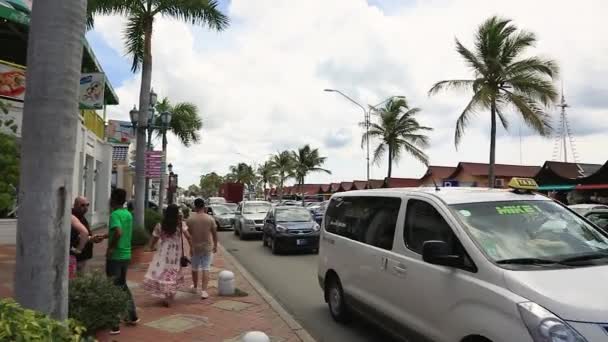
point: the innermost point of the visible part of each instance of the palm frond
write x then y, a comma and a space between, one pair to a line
134, 36
503, 120
534, 87
532, 114
110, 7
416, 153
379, 153
472, 60
532, 65
451, 84
197, 12
515, 45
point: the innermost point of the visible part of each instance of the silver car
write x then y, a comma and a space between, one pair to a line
249, 218
224, 217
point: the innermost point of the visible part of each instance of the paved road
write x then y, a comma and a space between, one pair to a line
292, 280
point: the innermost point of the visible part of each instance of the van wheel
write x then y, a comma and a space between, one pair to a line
274, 247
264, 240
335, 299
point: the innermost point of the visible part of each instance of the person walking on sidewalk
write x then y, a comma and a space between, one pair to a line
118, 254
79, 221
203, 233
164, 275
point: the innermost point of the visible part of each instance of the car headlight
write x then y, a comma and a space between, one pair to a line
316, 227
281, 229
544, 326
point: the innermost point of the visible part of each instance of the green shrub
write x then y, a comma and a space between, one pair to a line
96, 302
139, 237
19, 324
151, 218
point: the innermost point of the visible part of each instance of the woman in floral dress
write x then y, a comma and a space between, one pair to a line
164, 275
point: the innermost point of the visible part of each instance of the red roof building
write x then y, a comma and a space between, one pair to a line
359, 185
375, 183
334, 187
436, 175
325, 188
401, 182
476, 174
346, 186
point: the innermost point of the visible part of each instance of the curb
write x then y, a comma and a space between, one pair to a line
288, 318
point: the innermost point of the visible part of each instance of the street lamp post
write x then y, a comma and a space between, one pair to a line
172, 185
366, 117
165, 119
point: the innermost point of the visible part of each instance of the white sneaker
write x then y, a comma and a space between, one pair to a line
193, 289
204, 295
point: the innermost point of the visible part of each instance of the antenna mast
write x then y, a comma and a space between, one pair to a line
564, 135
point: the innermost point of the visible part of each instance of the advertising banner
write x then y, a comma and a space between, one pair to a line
91, 91
119, 132
12, 81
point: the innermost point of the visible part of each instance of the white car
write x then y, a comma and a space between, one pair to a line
249, 218
584, 208
465, 265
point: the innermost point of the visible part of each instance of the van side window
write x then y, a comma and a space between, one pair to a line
370, 220
423, 223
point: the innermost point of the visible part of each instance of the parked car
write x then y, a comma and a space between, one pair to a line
216, 200
290, 228
583, 208
318, 211
224, 217
599, 217
249, 218
464, 264
231, 206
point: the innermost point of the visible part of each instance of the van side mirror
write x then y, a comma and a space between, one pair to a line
438, 253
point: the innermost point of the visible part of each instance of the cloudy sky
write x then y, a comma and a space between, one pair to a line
259, 85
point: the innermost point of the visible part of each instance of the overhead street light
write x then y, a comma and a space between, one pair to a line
366, 116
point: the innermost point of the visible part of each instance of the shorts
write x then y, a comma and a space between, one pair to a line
202, 262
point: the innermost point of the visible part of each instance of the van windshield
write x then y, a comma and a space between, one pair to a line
531, 232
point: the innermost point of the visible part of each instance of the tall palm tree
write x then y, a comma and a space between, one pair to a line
502, 79
283, 163
242, 173
186, 124
138, 41
267, 175
307, 160
397, 130
51, 100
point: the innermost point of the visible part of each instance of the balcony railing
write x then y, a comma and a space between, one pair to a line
94, 123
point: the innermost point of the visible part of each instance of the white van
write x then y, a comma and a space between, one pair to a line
465, 265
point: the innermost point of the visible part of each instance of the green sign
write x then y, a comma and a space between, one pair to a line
516, 209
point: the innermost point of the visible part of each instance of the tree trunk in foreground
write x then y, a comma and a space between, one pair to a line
50, 120
491, 176
144, 104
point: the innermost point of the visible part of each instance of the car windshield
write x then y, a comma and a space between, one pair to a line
293, 215
529, 230
220, 210
256, 208
230, 206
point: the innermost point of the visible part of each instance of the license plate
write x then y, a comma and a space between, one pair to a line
301, 242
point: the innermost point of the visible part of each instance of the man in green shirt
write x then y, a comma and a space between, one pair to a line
118, 255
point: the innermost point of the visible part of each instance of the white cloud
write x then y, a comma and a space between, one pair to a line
259, 84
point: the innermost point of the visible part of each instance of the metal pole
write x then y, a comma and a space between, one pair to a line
367, 119
149, 148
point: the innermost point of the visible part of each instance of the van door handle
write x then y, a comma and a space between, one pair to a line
400, 269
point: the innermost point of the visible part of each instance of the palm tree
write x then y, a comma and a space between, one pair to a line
307, 160
242, 173
185, 125
267, 175
51, 100
398, 130
138, 41
503, 79
283, 163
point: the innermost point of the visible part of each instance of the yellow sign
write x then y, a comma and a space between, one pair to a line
523, 184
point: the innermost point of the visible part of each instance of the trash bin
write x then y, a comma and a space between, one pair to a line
225, 283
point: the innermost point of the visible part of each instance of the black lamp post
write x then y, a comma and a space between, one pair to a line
172, 184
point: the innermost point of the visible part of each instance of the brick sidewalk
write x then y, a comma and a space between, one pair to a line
189, 318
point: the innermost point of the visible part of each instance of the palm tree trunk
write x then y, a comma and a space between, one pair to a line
49, 116
390, 161
161, 186
144, 103
491, 177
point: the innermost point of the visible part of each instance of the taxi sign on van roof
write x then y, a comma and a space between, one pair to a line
518, 183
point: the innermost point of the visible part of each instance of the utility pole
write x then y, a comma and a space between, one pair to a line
48, 144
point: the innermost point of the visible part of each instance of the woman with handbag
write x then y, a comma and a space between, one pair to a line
164, 275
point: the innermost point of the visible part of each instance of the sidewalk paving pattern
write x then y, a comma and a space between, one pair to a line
223, 319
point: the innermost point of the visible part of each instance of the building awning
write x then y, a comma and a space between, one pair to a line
591, 186
556, 187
